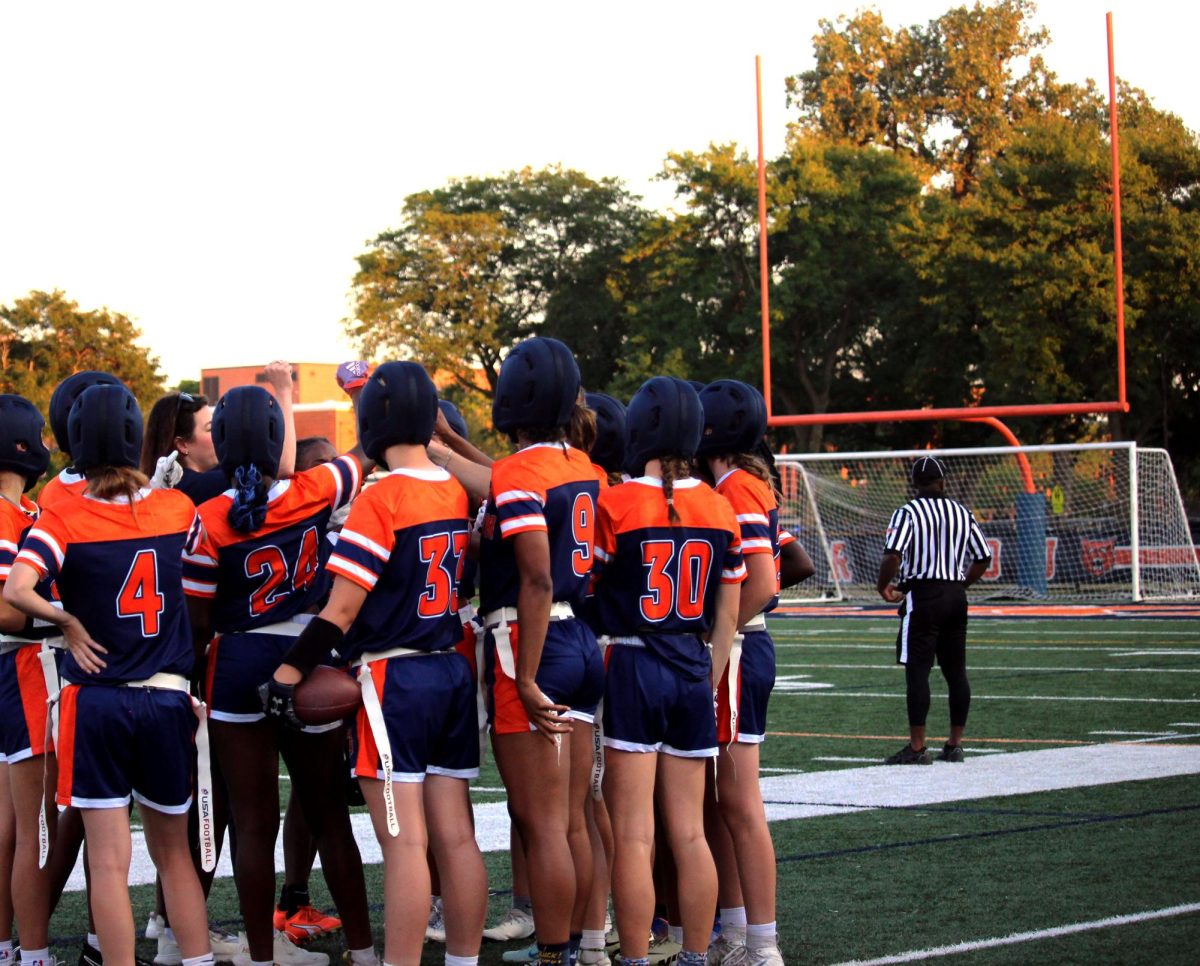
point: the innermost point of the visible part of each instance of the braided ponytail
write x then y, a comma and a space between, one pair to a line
673, 468
249, 507
581, 430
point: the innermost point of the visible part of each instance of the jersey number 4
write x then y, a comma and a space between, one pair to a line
677, 589
139, 596
269, 563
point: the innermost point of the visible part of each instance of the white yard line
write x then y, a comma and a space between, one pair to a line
933, 952
992, 697
835, 792
976, 667
782, 642
1138, 734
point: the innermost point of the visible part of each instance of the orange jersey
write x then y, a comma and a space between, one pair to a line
271, 574
547, 487
405, 542
66, 484
757, 515
119, 569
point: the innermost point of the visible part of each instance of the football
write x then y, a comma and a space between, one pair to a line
327, 695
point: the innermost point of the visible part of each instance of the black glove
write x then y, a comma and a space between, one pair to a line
277, 702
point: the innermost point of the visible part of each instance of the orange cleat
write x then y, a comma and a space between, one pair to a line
307, 923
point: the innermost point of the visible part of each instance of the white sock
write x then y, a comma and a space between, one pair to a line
592, 939
31, 956
93, 940
5, 950
205, 960
265, 962
461, 960
733, 924
760, 935
364, 957
675, 934
167, 934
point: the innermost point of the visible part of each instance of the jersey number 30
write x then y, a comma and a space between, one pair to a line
683, 592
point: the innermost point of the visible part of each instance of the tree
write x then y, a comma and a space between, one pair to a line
481, 263
45, 337
947, 93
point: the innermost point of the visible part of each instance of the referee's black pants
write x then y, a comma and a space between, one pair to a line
933, 626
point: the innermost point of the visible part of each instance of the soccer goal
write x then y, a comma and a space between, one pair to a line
1096, 521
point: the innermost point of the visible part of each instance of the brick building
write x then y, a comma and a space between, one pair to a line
321, 408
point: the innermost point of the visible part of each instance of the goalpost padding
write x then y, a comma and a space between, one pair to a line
1105, 520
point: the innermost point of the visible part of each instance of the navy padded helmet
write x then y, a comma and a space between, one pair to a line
697, 384
454, 417
538, 386
248, 430
65, 394
21, 448
105, 428
664, 419
398, 405
608, 451
735, 418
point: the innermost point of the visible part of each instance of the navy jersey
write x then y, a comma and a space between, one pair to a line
657, 581
757, 515
405, 542
549, 487
273, 574
119, 569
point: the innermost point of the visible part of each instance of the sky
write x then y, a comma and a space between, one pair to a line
212, 169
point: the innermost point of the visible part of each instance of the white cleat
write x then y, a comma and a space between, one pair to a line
516, 924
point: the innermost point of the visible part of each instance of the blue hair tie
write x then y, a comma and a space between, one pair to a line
249, 508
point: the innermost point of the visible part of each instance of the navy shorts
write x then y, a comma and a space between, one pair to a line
429, 709
236, 665
756, 679
571, 673
115, 743
649, 706
23, 732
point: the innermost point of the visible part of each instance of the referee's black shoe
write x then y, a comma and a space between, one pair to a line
907, 756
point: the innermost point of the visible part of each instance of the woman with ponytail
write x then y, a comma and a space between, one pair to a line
668, 573
126, 723
253, 586
735, 421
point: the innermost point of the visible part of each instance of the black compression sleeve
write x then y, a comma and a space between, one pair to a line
313, 645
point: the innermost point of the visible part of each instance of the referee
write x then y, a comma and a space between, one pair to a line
928, 541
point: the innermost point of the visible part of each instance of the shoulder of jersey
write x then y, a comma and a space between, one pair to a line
740, 488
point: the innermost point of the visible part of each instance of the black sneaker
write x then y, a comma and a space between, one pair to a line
907, 756
90, 956
951, 753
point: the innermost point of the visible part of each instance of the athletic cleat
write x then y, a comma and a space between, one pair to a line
527, 955
765, 956
435, 930
908, 756
154, 925
284, 953
306, 923
663, 951
279, 921
952, 753
516, 924
727, 949
593, 957
168, 950
89, 956
224, 946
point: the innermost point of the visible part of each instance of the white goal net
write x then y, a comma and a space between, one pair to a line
1097, 521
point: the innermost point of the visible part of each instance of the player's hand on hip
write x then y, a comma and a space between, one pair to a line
85, 651
543, 713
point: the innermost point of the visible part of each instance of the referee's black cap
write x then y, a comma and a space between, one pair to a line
928, 469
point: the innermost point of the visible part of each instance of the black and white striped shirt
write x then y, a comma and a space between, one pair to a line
935, 536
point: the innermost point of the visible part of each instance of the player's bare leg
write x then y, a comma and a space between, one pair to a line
681, 803
109, 850
629, 790
405, 869
537, 779
31, 902
451, 830
741, 805
171, 852
577, 827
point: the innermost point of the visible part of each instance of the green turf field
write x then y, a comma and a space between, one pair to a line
958, 867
